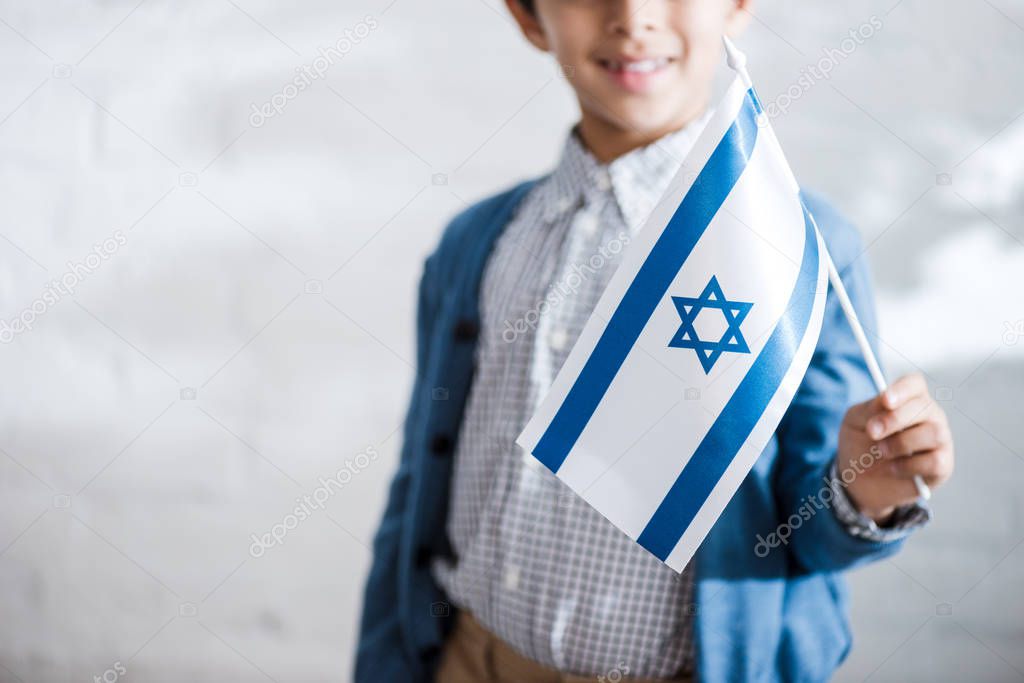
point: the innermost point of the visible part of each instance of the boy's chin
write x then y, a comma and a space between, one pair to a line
648, 121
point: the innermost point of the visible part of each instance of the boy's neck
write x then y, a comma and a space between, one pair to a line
607, 141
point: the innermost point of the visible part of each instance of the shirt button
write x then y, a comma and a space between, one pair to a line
511, 577
587, 222
603, 182
441, 444
466, 330
558, 340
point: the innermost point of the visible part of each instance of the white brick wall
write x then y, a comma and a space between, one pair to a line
126, 510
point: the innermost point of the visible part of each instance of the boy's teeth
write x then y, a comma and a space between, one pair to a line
642, 66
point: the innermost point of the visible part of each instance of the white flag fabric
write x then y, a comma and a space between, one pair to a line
697, 345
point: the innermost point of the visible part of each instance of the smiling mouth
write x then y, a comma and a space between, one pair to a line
643, 66
637, 76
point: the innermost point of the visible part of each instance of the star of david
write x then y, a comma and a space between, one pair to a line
732, 339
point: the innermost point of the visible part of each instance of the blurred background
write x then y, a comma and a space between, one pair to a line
238, 259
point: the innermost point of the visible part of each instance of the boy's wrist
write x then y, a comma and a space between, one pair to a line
893, 524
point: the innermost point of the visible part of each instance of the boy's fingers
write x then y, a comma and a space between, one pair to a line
907, 414
858, 415
931, 466
920, 438
904, 389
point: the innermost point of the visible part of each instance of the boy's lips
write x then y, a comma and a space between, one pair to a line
635, 74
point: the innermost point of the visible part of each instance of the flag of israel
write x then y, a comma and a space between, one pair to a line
697, 346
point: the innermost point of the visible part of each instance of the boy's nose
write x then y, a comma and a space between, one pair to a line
632, 17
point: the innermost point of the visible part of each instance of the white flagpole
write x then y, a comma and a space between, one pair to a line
738, 63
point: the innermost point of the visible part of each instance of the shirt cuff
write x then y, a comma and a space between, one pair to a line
905, 519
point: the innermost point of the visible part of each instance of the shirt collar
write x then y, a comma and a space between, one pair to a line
635, 181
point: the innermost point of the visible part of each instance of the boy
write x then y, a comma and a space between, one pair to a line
485, 566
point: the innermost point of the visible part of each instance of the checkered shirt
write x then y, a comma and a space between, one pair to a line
536, 565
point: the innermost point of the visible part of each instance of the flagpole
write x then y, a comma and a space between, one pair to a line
923, 491
738, 62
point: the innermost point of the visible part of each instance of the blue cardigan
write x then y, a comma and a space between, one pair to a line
780, 617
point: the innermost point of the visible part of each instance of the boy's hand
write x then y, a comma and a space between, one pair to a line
903, 432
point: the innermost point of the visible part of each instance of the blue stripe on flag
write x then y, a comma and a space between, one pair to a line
666, 257
734, 424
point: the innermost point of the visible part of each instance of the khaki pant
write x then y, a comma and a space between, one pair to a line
472, 654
